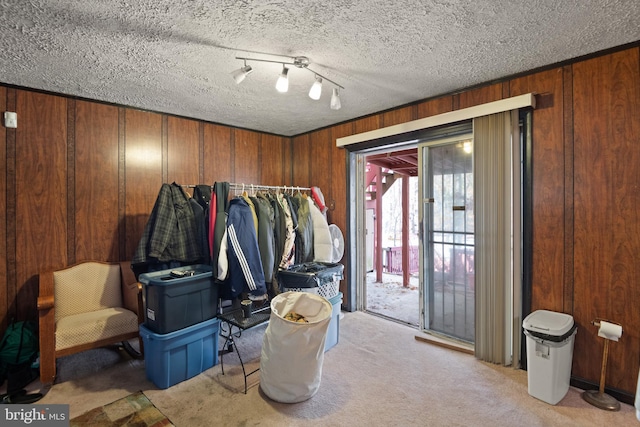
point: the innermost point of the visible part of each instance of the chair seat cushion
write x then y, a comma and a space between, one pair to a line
90, 327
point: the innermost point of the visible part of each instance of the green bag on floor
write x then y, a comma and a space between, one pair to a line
18, 348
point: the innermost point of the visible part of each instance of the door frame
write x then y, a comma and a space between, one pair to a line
355, 272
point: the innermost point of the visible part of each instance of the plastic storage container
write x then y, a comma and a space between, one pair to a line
177, 356
179, 297
321, 278
333, 333
550, 337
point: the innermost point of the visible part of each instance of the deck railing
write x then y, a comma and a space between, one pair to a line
392, 259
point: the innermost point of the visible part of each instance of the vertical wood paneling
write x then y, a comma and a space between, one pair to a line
400, 115
122, 184
287, 160
606, 95
41, 192
336, 197
320, 166
247, 165
272, 153
218, 151
164, 136
96, 189
143, 171
567, 106
434, 107
368, 123
301, 160
183, 147
4, 300
336, 194
480, 96
548, 187
71, 181
10, 214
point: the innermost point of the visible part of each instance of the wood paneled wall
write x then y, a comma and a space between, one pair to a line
79, 180
606, 264
586, 204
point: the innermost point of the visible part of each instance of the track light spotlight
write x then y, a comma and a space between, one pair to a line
316, 89
335, 100
282, 85
239, 74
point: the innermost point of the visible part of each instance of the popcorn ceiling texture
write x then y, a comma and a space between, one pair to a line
176, 56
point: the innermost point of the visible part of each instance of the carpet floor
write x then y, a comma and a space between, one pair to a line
378, 374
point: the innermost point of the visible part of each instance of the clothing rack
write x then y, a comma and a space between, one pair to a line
253, 187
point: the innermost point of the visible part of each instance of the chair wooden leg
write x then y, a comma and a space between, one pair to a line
47, 368
141, 346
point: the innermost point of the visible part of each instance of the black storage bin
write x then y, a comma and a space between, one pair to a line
178, 298
321, 278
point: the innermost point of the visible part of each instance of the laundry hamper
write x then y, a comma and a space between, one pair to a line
292, 352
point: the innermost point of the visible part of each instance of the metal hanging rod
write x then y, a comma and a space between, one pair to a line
255, 187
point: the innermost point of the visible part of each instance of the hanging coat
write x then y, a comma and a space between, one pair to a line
217, 220
286, 257
266, 241
322, 246
304, 234
245, 266
170, 234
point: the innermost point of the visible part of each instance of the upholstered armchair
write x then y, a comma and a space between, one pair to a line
84, 306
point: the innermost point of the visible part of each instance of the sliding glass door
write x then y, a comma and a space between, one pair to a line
447, 237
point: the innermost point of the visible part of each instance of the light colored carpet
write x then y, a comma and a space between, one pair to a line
377, 375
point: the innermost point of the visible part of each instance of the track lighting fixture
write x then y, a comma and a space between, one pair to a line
335, 100
316, 89
282, 85
239, 74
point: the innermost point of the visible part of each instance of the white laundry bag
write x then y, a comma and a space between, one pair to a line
292, 352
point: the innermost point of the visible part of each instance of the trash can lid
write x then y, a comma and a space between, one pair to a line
548, 322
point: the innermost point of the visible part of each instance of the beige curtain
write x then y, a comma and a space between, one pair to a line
498, 237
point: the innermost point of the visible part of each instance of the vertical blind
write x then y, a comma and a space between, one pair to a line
498, 237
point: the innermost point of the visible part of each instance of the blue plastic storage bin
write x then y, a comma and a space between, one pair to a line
177, 356
333, 333
177, 298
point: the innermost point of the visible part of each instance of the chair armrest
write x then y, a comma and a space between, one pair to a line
46, 292
131, 290
46, 302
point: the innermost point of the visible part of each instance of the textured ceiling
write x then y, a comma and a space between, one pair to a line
176, 56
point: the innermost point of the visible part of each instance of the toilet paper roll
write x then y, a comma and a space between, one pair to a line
610, 331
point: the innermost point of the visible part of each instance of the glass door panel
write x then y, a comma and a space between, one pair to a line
447, 239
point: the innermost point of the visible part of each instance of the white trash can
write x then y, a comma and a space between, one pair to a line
550, 337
